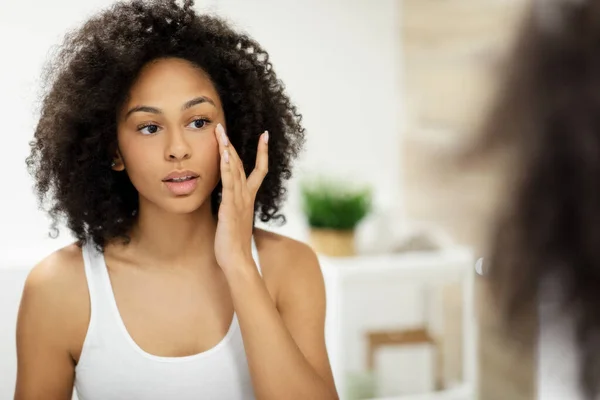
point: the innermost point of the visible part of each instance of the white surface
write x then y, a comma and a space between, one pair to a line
341, 62
379, 292
461, 393
11, 286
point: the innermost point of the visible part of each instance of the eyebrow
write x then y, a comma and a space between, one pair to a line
189, 104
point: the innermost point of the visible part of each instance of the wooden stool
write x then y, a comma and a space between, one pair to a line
404, 337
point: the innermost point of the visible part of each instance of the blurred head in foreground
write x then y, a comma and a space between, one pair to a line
546, 245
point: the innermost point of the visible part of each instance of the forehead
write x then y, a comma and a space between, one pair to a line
171, 80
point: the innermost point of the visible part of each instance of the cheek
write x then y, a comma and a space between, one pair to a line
207, 155
139, 159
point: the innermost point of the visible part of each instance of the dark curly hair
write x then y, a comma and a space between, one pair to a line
548, 118
88, 81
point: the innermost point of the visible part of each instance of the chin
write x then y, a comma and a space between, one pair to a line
183, 205
167, 202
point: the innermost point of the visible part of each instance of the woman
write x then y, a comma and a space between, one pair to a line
547, 247
154, 142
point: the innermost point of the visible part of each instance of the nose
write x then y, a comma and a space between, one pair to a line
177, 148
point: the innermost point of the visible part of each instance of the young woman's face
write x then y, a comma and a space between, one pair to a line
167, 127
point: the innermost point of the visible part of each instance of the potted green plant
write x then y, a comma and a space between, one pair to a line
333, 210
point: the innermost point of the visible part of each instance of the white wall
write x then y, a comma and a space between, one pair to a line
341, 62
28, 30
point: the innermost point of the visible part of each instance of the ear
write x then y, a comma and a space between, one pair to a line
117, 163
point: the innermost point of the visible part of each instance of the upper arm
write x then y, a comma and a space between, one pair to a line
45, 368
301, 303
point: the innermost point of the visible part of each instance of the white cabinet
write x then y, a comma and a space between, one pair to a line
390, 296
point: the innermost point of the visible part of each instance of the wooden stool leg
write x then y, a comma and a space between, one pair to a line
438, 366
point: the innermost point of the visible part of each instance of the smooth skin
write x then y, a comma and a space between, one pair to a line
182, 276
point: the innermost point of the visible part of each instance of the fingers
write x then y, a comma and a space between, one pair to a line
227, 177
237, 172
233, 175
237, 164
262, 164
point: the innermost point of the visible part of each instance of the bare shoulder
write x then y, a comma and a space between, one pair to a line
289, 253
58, 271
287, 264
51, 322
56, 293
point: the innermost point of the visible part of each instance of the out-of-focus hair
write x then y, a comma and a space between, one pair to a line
548, 115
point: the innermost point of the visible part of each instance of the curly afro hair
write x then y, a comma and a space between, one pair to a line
88, 81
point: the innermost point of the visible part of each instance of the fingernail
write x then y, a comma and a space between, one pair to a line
221, 132
226, 156
266, 137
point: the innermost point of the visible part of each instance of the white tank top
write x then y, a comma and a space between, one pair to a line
113, 367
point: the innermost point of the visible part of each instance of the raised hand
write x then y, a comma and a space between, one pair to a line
236, 212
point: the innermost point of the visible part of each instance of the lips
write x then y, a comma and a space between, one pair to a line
182, 179
180, 176
181, 183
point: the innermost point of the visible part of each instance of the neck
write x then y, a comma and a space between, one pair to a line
177, 240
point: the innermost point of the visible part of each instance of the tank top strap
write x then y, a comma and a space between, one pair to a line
101, 313
93, 273
255, 255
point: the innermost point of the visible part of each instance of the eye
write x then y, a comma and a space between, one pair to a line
150, 129
198, 123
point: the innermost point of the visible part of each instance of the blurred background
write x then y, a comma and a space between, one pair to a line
391, 91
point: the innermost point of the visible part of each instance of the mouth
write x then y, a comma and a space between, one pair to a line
180, 176
182, 179
181, 183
